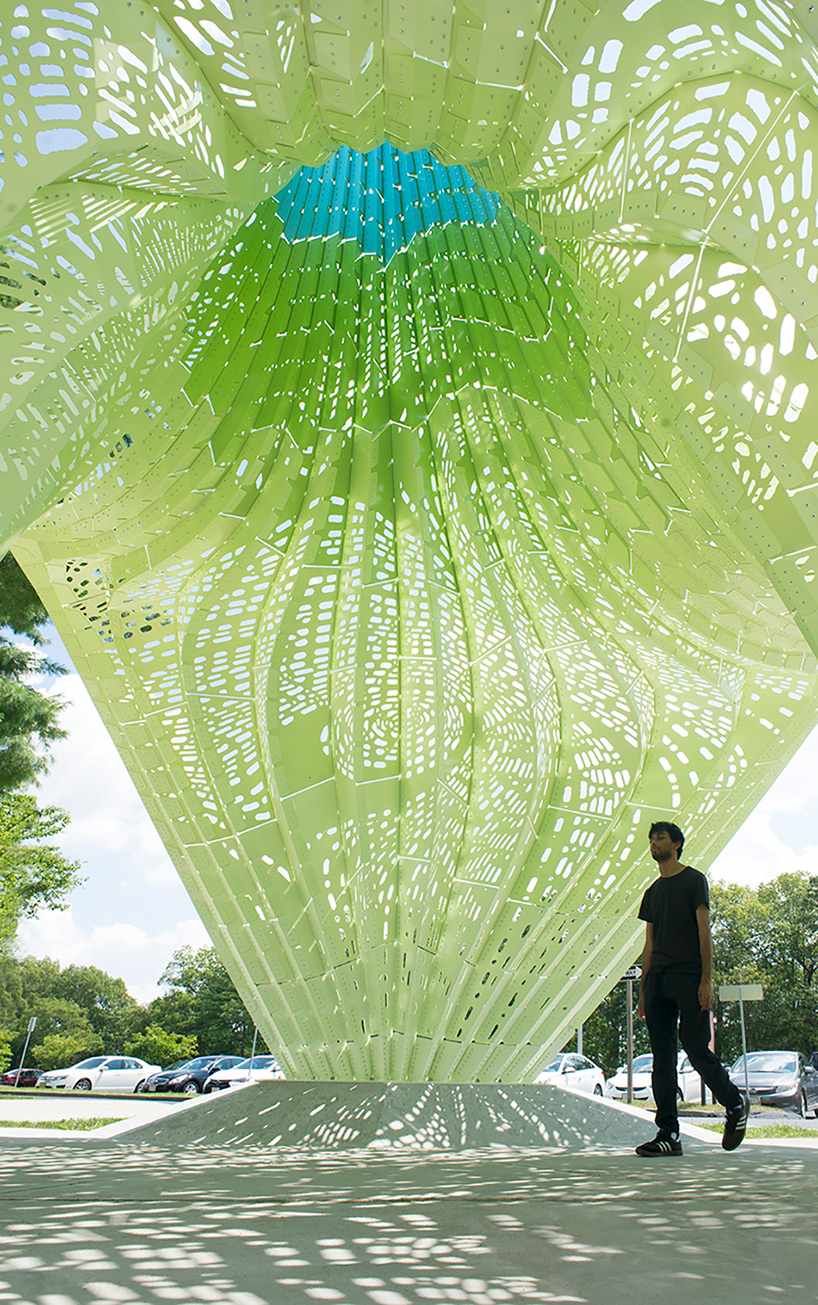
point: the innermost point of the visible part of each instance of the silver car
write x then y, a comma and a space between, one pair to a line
778, 1078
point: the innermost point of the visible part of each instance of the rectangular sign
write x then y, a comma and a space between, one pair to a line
744, 991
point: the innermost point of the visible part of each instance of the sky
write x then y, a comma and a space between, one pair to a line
132, 912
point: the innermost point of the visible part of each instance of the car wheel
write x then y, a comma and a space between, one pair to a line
191, 1089
140, 1087
598, 1091
84, 1085
802, 1105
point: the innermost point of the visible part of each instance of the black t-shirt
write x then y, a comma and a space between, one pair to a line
670, 906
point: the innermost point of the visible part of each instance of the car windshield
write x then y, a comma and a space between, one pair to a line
91, 1063
555, 1066
259, 1062
767, 1062
641, 1065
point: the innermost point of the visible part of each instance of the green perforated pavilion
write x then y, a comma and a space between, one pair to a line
407, 414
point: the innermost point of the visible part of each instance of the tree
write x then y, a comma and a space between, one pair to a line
78, 1007
21, 607
604, 1033
6, 1039
203, 1001
766, 935
159, 1047
33, 874
28, 718
60, 1049
769, 936
109, 1008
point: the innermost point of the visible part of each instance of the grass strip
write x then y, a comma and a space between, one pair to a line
76, 1125
771, 1130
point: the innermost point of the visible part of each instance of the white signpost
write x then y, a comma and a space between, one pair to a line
742, 992
633, 973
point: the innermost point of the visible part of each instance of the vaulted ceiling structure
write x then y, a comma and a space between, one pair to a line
408, 415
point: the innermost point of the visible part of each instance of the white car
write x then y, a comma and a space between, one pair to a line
262, 1067
690, 1085
575, 1072
101, 1074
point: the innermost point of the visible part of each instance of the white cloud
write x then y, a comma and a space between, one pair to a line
89, 780
118, 948
132, 911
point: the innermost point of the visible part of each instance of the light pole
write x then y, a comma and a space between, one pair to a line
32, 1024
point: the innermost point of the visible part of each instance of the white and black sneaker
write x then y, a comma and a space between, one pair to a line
735, 1124
661, 1144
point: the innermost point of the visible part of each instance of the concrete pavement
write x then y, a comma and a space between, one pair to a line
150, 1217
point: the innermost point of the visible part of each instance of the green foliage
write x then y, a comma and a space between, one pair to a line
21, 608
604, 1033
82, 1011
202, 1000
159, 1047
75, 1125
59, 1049
768, 935
6, 1039
78, 1007
110, 1009
28, 718
33, 873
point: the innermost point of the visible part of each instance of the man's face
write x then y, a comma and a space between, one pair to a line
662, 846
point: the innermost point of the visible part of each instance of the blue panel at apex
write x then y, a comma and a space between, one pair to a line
381, 199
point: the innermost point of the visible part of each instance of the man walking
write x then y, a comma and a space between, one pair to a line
676, 992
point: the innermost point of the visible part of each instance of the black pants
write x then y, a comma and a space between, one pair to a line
671, 1001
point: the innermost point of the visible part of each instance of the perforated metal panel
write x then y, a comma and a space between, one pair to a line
424, 517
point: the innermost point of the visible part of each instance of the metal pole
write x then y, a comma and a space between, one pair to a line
32, 1024
744, 1044
252, 1053
629, 1000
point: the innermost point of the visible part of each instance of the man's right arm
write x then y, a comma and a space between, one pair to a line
647, 952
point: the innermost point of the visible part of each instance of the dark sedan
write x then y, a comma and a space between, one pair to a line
20, 1077
778, 1078
188, 1076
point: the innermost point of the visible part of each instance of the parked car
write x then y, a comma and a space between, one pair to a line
690, 1085
20, 1077
262, 1067
101, 1074
778, 1078
575, 1072
189, 1075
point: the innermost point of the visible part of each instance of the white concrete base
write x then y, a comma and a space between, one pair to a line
400, 1116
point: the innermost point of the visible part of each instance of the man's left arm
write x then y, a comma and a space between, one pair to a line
706, 949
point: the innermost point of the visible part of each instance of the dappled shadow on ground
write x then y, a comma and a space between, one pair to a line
245, 1226
440, 1116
